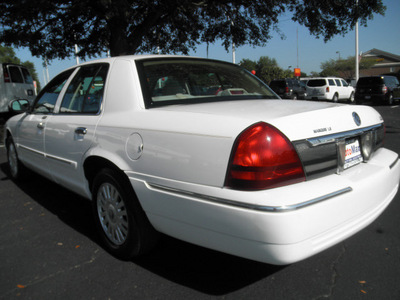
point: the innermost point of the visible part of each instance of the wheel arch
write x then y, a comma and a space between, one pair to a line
94, 164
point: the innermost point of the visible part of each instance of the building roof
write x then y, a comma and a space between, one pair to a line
388, 57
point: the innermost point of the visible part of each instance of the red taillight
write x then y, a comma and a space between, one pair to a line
6, 76
384, 89
327, 89
263, 158
287, 91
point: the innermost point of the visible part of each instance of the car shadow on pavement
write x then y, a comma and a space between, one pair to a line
195, 267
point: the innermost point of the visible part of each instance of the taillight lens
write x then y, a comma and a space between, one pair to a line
384, 89
6, 76
327, 89
263, 158
287, 91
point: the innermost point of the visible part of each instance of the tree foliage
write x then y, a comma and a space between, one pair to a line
267, 69
52, 28
7, 55
344, 67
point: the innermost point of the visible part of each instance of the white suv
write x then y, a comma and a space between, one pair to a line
15, 83
329, 88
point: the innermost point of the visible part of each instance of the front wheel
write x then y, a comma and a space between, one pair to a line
16, 168
120, 220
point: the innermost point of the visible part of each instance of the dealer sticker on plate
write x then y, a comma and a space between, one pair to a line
353, 153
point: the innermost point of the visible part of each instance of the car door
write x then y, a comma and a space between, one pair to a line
31, 129
347, 89
70, 131
396, 88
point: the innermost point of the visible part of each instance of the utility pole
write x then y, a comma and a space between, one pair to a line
357, 62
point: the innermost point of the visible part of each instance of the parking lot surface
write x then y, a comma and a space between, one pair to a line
49, 250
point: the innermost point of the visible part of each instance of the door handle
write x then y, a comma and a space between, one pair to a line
40, 125
81, 130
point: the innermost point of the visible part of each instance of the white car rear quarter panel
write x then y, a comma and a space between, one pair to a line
272, 237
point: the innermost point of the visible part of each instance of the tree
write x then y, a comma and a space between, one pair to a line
344, 67
7, 55
52, 28
266, 69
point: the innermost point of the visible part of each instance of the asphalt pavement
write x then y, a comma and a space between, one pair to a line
49, 250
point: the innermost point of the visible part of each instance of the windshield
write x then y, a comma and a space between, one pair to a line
183, 81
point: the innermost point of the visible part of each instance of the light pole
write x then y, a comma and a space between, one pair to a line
357, 55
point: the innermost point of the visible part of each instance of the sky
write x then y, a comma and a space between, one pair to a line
298, 49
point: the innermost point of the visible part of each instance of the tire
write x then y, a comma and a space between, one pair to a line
390, 99
16, 168
121, 223
335, 98
295, 97
352, 99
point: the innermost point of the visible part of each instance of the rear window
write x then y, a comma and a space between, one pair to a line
278, 83
370, 81
27, 76
15, 74
316, 82
168, 81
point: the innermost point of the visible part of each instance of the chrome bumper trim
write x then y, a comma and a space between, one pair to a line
394, 163
279, 209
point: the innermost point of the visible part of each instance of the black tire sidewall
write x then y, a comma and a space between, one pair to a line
132, 245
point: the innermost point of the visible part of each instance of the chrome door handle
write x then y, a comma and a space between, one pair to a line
81, 130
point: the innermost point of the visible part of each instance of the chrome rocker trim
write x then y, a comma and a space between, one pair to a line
279, 209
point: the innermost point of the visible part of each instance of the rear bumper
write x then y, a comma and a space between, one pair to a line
370, 97
244, 225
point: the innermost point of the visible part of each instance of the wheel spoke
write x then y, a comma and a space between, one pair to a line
112, 213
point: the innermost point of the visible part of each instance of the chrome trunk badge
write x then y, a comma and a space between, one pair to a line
356, 119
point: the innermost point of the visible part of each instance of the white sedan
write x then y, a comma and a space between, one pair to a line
203, 151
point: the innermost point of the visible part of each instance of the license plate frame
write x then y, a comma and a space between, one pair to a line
349, 153
353, 155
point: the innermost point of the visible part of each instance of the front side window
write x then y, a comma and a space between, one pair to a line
47, 98
337, 82
185, 81
85, 92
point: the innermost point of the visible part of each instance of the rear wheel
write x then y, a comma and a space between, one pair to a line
121, 222
390, 99
351, 98
335, 98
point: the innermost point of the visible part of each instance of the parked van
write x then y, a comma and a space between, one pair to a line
15, 83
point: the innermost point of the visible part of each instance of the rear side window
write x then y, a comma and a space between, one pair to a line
15, 74
316, 82
338, 82
85, 92
331, 82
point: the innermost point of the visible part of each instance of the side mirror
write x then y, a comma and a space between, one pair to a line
18, 106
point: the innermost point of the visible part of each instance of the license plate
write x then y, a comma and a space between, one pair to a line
353, 154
